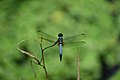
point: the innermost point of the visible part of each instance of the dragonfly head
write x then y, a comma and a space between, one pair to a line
60, 35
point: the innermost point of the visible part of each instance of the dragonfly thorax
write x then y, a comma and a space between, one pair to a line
60, 38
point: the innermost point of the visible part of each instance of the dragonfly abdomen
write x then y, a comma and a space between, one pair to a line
60, 46
60, 43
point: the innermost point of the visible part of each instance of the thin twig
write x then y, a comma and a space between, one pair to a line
33, 69
43, 49
78, 67
42, 59
27, 53
37, 61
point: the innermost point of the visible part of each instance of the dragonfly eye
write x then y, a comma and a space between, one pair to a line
60, 35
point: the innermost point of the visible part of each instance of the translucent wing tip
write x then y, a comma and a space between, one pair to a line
38, 30
83, 41
83, 34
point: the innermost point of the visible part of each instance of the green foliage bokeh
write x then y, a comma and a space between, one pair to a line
99, 20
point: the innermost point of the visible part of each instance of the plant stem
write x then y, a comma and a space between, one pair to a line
78, 67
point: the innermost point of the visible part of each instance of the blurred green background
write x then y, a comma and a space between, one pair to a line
98, 19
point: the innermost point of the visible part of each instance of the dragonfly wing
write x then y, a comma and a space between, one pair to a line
74, 40
73, 44
46, 36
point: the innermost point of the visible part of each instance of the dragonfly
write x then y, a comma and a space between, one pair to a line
61, 41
